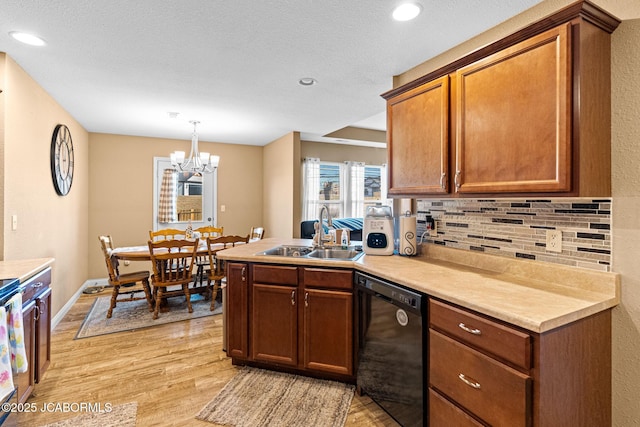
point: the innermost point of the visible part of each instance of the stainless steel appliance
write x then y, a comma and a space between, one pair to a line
391, 361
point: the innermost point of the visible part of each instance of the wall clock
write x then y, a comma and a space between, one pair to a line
62, 159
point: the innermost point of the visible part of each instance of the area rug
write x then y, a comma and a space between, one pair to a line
135, 315
257, 397
117, 416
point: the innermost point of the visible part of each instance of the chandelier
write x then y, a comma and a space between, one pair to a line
197, 162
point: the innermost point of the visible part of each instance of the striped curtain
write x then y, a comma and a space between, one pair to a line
167, 204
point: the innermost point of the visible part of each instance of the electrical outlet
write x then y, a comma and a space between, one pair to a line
554, 240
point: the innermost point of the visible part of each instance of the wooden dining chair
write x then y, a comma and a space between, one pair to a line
167, 234
209, 231
203, 261
216, 271
257, 233
128, 284
172, 262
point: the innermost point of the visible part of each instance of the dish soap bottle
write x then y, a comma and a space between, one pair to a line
344, 239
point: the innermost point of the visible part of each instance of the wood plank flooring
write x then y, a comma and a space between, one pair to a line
172, 371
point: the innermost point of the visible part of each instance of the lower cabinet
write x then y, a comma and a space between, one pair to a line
274, 324
485, 372
295, 317
36, 317
328, 331
237, 310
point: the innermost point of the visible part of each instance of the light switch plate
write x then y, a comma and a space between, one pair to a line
554, 240
14, 222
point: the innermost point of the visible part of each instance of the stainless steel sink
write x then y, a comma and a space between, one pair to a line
335, 253
349, 254
288, 251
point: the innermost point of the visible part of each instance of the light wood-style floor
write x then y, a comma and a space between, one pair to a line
172, 371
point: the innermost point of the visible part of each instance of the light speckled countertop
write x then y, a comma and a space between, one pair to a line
23, 268
536, 296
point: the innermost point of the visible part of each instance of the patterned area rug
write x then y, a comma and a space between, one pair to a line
135, 315
257, 397
119, 416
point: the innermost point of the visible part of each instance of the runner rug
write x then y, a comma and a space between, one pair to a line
133, 315
257, 397
118, 416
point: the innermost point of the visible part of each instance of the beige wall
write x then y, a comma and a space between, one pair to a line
48, 225
626, 223
281, 186
329, 152
625, 182
121, 190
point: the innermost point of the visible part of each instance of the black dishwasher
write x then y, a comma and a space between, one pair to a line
391, 360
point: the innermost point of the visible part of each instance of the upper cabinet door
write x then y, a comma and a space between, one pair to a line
513, 118
418, 139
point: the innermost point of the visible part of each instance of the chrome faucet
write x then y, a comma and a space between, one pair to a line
321, 236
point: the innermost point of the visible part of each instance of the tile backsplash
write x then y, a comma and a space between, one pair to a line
517, 228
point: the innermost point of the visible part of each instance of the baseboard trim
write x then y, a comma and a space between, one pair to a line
65, 309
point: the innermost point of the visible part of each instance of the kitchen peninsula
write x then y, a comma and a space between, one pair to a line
548, 326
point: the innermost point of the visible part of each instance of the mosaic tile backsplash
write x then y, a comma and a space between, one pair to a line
517, 228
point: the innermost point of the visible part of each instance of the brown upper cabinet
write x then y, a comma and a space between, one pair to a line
418, 139
527, 115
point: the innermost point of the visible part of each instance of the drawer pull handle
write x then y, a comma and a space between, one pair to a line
38, 285
470, 383
470, 330
293, 297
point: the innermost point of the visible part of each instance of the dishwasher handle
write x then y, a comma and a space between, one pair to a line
389, 292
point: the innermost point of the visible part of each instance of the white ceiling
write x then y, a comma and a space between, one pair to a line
119, 66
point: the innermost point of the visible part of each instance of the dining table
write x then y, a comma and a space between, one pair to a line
142, 253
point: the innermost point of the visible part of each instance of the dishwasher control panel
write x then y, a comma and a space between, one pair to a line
391, 291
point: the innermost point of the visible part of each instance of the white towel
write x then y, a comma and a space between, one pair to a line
19, 362
6, 377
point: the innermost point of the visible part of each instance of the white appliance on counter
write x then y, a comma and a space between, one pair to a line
377, 233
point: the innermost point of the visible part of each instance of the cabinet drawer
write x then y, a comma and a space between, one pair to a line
330, 279
496, 393
443, 413
35, 285
486, 335
275, 274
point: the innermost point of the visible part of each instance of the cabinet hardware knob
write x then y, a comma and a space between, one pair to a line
442, 180
244, 274
473, 331
455, 180
293, 297
306, 299
469, 382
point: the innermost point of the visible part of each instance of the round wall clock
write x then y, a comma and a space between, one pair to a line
62, 159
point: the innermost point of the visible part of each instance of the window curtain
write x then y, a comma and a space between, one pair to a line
383, 186
353, 176
310, 188
167, 203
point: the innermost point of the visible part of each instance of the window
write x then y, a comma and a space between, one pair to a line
346, 188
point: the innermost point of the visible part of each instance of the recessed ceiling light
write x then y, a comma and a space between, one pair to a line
406, 11
27, 38
307, 81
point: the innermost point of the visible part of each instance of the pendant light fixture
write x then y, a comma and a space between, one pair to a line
197, 162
